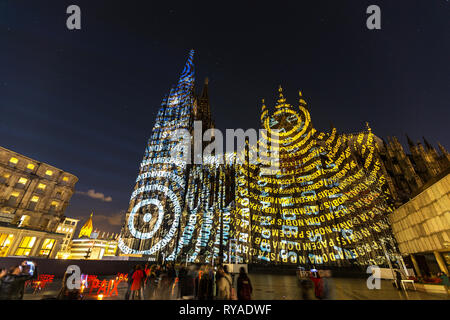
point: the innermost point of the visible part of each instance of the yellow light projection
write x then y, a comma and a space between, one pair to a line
326, 204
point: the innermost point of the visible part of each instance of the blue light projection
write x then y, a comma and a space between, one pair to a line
158, 199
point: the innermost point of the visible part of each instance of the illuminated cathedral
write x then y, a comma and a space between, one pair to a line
174, 206
326, 203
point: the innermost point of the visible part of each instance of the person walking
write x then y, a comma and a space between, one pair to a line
328, 289
151, 282
224, 284
244, 286
130, 281
306, 286
136, 286
171, 281
211, 286
163, 284
203, 283
318, 284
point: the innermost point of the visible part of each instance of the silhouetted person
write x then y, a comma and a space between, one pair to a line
244, 286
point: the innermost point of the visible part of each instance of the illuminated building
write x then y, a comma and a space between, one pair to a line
422, 227
174, 204
28, 242
326, 205
157, 201
91, 245
32, 193
67, 227
407, 173
33, 198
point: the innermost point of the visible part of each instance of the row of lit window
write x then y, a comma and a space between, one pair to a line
63, 229
40, 186
25, 246
30, 166
34, 199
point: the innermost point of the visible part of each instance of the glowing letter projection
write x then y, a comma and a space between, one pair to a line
157, 201
293, 195
326, 203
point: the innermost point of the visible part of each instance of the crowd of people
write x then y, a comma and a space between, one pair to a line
145, 282
173, 282
187, 282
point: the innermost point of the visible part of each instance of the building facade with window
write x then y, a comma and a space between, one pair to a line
15, 241
422, 227
67, 227
93, 245
33, 194
33, 198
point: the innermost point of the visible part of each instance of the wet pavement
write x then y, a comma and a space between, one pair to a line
284, 287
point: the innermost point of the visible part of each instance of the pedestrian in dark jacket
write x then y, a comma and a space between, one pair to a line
130, 281
244, 286
306, 286
204, 284
12, 285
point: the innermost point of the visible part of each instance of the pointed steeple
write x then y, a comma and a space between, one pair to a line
410, 143
301, 101
86, 229
429, 146
331, 126
385, 145
264, 112
204, 108
263, 105
442, 149
281, 102
187, 76
281, 98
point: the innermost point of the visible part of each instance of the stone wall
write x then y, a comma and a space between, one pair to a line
423, 223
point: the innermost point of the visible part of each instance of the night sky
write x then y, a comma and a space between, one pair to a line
85, 101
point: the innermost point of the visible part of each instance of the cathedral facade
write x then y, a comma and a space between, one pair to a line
326, 203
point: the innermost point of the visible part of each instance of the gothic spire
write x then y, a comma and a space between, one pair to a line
264, 112
187, 76
281, 98
205, 94
86, 230
429, 146
204, 106
442, 149
301, 101
410, 143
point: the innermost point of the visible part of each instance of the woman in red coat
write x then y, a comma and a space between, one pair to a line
136, 286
